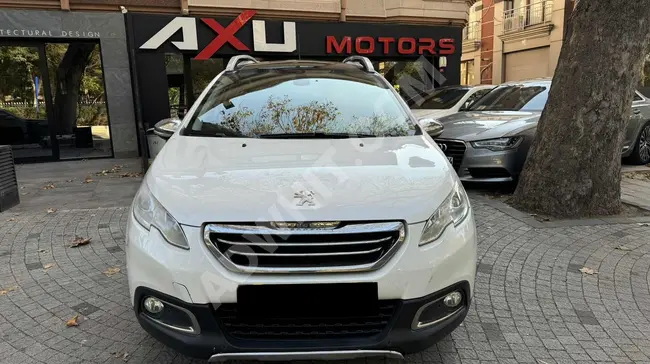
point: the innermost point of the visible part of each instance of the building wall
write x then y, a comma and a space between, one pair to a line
400, 11
543, 40
472, 45
159, 6
488, 32
537, 39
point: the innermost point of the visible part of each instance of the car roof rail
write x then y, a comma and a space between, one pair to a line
362, 61
237, 61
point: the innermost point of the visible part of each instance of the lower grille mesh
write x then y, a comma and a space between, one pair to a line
289, 328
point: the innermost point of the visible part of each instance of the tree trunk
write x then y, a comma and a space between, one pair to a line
574, 165
68, 81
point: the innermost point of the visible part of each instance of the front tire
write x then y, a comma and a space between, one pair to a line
641, 152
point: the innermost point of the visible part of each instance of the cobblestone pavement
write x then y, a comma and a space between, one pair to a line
532, 304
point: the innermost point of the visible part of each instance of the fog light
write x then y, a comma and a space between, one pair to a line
153, 305
453, 299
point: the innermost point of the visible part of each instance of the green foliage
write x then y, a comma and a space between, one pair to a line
26, 112
92, 115
19, 65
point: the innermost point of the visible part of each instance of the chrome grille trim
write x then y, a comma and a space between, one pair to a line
347, 229
308, 244
299, 255
398, 229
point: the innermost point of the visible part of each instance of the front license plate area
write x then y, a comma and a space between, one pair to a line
308, 300
451, 160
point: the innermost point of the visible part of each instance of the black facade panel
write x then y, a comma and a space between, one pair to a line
152, 78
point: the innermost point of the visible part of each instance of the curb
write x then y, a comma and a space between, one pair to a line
532, 222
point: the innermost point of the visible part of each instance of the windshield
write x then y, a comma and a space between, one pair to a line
300, 101
438, 99
513, 98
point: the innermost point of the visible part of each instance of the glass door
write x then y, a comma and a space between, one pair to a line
25, 103
78, 100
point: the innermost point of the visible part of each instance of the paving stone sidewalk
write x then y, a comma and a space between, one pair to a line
636, 191
532, 304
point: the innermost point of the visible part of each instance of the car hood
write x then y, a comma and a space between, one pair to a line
203, 179
432, 113
477, 125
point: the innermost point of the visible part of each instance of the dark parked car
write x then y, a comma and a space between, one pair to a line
490, 141
15, 130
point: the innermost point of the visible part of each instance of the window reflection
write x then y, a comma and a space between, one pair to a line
513, 98
261, 101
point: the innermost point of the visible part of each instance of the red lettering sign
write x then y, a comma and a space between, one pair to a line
447, 46
370, 45
333, 46
427, 44
387, 41
225, 35
406, 46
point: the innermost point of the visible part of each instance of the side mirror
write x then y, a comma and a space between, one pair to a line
432, 127
167, 127
465, 106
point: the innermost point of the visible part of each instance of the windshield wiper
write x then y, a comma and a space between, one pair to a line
190, 132
315, 135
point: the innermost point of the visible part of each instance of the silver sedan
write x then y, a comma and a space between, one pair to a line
490, 142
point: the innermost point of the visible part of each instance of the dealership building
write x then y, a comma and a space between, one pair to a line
99, 73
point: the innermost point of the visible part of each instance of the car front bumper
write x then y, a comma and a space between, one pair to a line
197, 282
216, 343
484, 165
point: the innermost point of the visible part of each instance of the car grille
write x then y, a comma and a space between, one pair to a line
264, 248
454, 149
306, 328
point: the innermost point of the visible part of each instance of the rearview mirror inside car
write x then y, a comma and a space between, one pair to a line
433, 127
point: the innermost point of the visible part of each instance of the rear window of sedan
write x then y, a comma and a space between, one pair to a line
514, 98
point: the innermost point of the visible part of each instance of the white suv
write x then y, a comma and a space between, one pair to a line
299, 211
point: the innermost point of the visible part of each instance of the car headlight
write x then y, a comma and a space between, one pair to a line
453, 210
150, 213
498, 144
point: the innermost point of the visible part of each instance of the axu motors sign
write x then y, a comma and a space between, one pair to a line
208, 37
224, 35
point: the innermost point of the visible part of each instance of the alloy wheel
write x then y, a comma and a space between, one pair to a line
644, 144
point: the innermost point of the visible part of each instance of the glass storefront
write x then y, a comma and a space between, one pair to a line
52, 101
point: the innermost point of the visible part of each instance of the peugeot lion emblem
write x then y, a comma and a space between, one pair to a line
305, 198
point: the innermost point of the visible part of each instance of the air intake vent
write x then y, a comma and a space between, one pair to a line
8, 184
266, 249
304, 328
